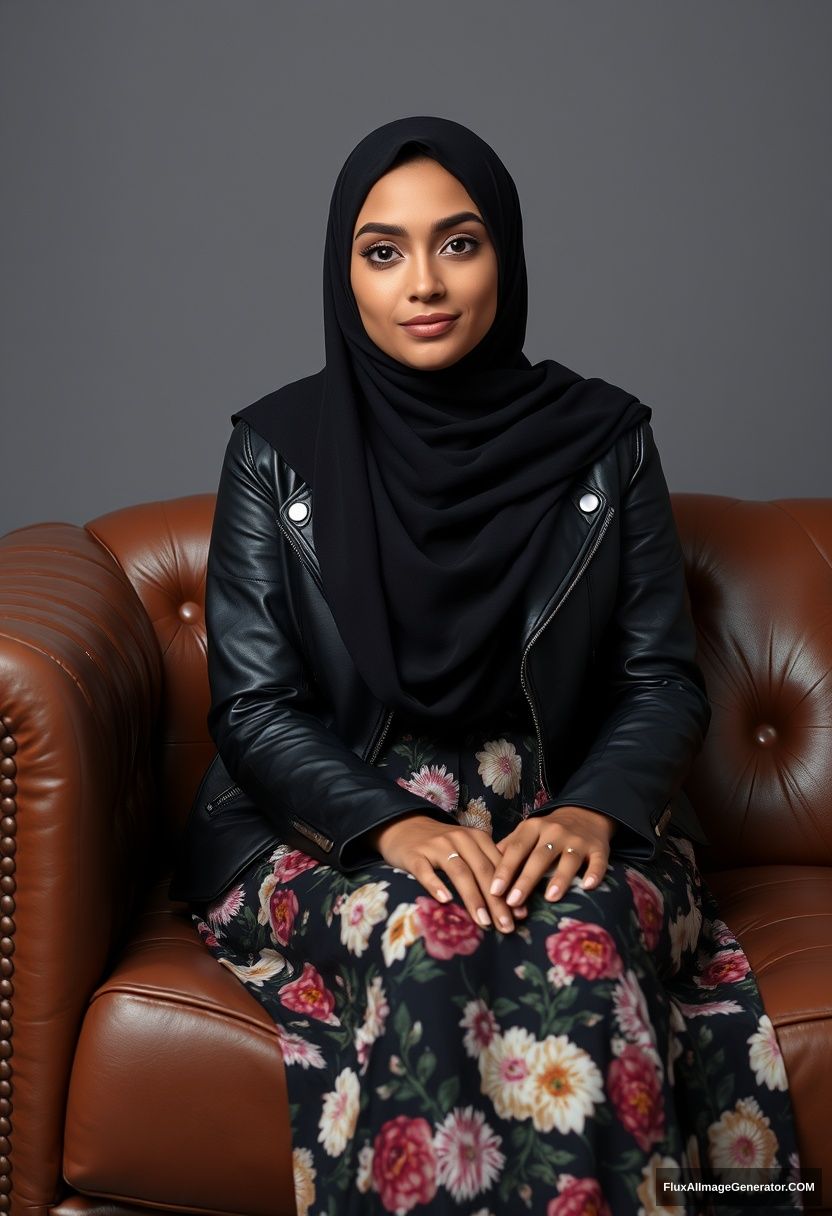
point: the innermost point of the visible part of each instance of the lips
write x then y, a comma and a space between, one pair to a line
431, 318
432, 327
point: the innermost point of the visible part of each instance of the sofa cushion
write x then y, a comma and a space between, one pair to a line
178, 1095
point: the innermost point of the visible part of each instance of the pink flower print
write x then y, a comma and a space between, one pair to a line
283, 908
435, 784
291, 864
480, 1025
584, 949
633, 1087
649, 903
446, 929
578, 1197
223, 909
725, 967
309, 994
404, 1164
204, 931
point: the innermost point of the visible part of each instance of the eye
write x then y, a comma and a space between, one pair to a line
366, 253
387, 247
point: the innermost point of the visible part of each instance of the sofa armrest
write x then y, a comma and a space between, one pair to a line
80, 683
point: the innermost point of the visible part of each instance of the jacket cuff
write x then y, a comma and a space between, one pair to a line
356, 852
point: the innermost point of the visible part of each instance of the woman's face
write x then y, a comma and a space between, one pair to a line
417, 271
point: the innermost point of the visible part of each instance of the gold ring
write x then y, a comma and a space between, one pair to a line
571, 850
450, 855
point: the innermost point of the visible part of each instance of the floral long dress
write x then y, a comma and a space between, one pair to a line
436, 1066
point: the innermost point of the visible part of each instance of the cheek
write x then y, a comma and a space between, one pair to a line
375, 300
485, 303
483, 294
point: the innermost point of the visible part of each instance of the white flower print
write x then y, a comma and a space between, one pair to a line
476, 815
304, 1174
765, 1057
364, 1175
372, 1028
266, 968
742, 1137
297, 1050
435, 784
646, 1190
400, 932
360, 912
468, 1157
222, 910
500, 766
340, 1113
506, 1072
566, 1085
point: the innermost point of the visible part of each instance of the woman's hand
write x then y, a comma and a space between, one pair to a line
587, 832
420, 845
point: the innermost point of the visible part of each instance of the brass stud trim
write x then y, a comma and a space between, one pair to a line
8, 887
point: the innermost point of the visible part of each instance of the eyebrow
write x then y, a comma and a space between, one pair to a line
450, 221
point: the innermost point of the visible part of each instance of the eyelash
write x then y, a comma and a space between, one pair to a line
365, 253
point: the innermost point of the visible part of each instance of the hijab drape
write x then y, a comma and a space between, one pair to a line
435, 492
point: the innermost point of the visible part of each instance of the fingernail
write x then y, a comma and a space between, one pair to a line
515, 896
498, 886
589, 881
505, 921
553, 890
483, 917
443, 895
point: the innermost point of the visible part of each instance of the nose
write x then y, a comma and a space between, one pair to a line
426, 280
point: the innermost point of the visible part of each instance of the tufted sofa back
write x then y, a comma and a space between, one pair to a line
759, 576
163, 549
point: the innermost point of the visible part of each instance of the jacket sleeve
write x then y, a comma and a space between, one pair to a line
656, 713
262, 716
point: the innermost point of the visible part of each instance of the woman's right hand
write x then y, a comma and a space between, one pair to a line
420, 845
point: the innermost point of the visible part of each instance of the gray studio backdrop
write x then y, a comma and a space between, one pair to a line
166, 173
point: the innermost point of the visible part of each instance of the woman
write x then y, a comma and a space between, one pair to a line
477, 673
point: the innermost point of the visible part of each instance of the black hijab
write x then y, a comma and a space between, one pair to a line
434, 493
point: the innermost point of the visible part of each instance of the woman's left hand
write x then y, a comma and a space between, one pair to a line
587, 832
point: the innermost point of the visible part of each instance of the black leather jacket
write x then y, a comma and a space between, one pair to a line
609, 667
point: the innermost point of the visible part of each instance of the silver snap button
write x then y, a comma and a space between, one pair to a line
298, 512
588, 502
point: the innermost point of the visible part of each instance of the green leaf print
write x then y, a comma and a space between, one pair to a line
724, 1092
448, 1093
555, 1156
426, 1066
402, 1022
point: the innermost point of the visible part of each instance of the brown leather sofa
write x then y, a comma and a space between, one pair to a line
137, 1074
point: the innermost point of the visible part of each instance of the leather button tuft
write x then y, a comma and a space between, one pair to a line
589, 502
298, 512
765, 735
189, 611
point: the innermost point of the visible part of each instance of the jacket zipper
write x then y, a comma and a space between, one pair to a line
540, 761
218, 802
381, 737
303, 559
